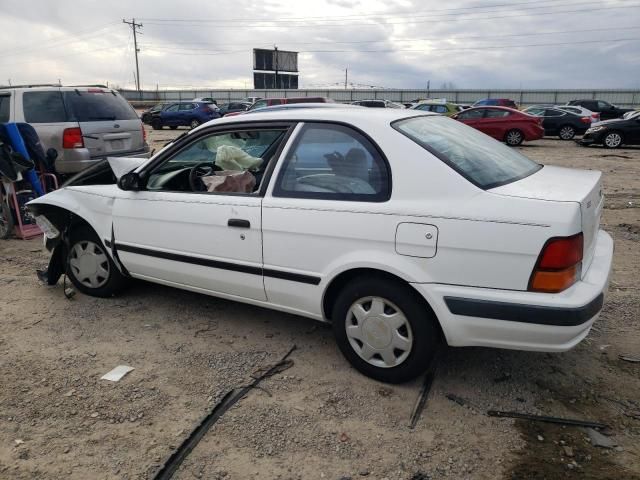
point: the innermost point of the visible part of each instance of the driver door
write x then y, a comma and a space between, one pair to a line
175, 232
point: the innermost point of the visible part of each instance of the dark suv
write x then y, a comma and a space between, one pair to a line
606, 110
189, 114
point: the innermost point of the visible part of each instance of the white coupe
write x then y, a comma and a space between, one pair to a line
403, 229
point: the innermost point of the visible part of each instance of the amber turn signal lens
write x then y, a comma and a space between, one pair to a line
554, 281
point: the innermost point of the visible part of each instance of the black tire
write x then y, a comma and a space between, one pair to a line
194, 123
6, 218
514, 137
156, 124
566, 132
173, 127
613, 139
422, 322
109, 284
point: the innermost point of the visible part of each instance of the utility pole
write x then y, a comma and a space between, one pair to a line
346, 76
134, 27
275, 55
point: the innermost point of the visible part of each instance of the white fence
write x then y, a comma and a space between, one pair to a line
625, 98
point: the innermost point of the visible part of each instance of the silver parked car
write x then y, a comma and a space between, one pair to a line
83, 124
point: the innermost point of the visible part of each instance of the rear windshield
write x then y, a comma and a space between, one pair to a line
86, 106
482, 160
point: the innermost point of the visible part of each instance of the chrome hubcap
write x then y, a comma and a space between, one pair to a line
566, 132
379, 332
514, 137
89, 264
613, 140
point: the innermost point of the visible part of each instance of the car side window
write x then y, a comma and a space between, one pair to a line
172, 108
553, 113
44, 107
333, 162
603, 105
439, 109
259, 104
232, 161
186, 106
497, 113
471, 114
5, 101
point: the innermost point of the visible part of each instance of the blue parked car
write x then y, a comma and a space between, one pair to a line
188, 114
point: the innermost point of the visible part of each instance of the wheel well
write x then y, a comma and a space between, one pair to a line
337, 284
60, 217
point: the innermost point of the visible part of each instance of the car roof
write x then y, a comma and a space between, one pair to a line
340, 114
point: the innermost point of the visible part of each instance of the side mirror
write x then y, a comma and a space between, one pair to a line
129, 182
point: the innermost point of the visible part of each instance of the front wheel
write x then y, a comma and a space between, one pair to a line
567, 132
514, 138
612, 140
384, 329
89, 266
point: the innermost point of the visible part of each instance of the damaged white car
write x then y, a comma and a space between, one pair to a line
403, 229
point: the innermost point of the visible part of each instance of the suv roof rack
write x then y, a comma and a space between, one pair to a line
95, 86
31, 85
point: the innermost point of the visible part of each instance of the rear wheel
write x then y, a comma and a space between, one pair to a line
513, 138
567, 132
384, 329
89, 266
156, 124
612, 140
194, 123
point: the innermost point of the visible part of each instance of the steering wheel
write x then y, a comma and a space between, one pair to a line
203, 169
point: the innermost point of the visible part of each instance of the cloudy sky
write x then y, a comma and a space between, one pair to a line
391, 43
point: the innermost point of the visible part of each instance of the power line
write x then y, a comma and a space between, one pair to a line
174, 46
429, 50
414, 19
404, 13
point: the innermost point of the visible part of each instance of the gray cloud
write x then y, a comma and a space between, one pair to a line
44, 41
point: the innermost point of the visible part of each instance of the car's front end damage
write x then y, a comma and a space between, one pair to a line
85, 199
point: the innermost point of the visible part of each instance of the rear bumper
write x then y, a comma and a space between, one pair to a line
524, 320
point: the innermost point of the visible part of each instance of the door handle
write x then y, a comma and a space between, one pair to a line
238, 223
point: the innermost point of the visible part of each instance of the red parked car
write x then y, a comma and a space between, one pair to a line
502, 123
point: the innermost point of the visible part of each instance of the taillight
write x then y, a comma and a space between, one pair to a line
72, 138
144, 133
596, 117
585, 120
559, 265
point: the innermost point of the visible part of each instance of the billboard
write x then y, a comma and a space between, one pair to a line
265, 81
275, 60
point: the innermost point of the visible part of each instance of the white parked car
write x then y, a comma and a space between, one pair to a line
404, 229
583, 112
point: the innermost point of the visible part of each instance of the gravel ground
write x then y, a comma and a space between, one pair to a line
318, 419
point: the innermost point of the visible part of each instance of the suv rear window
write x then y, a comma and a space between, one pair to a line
87, 106
43, 107
480, 159
5, 101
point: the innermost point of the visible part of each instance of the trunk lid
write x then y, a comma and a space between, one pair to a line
560, 184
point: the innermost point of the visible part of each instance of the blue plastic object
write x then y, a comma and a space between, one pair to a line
18, 145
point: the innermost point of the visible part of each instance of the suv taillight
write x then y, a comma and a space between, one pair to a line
144, 132
72, 138
559, 264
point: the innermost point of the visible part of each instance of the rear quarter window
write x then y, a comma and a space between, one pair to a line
44, 107
5, 113
483, 161
86, 106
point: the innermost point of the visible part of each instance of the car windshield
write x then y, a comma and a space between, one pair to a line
89, 106
482, 160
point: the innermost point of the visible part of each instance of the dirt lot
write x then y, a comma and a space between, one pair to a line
319, 419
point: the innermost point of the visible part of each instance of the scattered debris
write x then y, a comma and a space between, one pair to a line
421, 401
344, 437
540, 438
117, 373
568, 451
230, 398
459, 400
629, 358
18, 441
541, 418
599, 440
